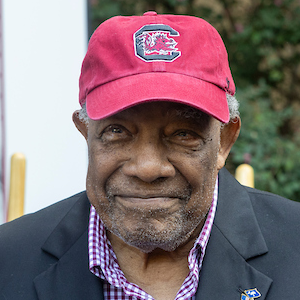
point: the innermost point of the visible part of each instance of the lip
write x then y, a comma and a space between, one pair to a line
153, 202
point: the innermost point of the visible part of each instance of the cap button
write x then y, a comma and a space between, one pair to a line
150, 13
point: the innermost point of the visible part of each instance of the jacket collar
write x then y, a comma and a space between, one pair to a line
235, 218
235, 238
70, 277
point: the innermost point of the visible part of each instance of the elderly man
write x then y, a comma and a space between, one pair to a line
160, 218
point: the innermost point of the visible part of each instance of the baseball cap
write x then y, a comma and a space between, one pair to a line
155, 57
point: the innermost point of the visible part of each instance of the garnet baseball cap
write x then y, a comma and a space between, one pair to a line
131, 60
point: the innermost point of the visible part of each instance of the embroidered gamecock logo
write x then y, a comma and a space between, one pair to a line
155, 43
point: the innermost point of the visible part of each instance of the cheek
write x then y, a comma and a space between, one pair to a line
201, 172
199, 167
101, 165
102, 162
99, 169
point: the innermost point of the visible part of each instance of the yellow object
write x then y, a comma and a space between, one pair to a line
17, 187
244, 174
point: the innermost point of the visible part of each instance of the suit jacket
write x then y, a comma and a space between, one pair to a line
254, 243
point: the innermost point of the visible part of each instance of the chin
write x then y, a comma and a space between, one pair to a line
149, 236
149, 245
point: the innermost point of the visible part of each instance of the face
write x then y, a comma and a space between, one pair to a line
152, 171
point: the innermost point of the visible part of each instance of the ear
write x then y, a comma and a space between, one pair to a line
81, 126
229, 134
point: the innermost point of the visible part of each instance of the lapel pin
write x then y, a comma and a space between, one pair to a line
250, 294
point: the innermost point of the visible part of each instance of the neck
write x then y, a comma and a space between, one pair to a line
159, 273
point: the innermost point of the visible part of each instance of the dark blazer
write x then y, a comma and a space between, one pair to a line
254, 243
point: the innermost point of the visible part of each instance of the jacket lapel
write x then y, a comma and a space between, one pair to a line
235, 239
70, 277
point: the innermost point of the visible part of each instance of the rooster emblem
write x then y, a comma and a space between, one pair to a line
156, 42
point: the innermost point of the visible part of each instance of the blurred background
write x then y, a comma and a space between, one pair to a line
42, 47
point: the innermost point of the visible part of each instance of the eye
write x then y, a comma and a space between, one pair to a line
186, 138
115, 129
185, 134
115, 132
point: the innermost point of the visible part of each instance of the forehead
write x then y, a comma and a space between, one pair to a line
169, 111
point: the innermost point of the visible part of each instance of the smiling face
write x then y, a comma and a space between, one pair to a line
152, 171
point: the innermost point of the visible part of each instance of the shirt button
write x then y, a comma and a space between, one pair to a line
150, 13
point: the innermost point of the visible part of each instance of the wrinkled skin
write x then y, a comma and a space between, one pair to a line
152, 172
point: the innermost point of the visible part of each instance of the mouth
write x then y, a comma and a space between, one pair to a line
147, 202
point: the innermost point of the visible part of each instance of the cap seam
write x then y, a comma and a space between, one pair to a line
163, 72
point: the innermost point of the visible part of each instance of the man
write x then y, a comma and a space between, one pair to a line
161, 218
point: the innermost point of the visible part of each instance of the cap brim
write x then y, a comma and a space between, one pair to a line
125, 92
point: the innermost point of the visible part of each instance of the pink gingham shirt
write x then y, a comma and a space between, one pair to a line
103, 261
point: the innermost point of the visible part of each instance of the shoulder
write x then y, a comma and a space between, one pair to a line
23, 247
274, 204
276, 216
267, 196
273, 211
37, 226
261, 201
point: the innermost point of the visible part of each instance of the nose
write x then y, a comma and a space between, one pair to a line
149, 162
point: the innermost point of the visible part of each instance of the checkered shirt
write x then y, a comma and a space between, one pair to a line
103, 261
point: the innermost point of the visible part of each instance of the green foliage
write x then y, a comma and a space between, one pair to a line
275, 158
265, 60
263, 42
